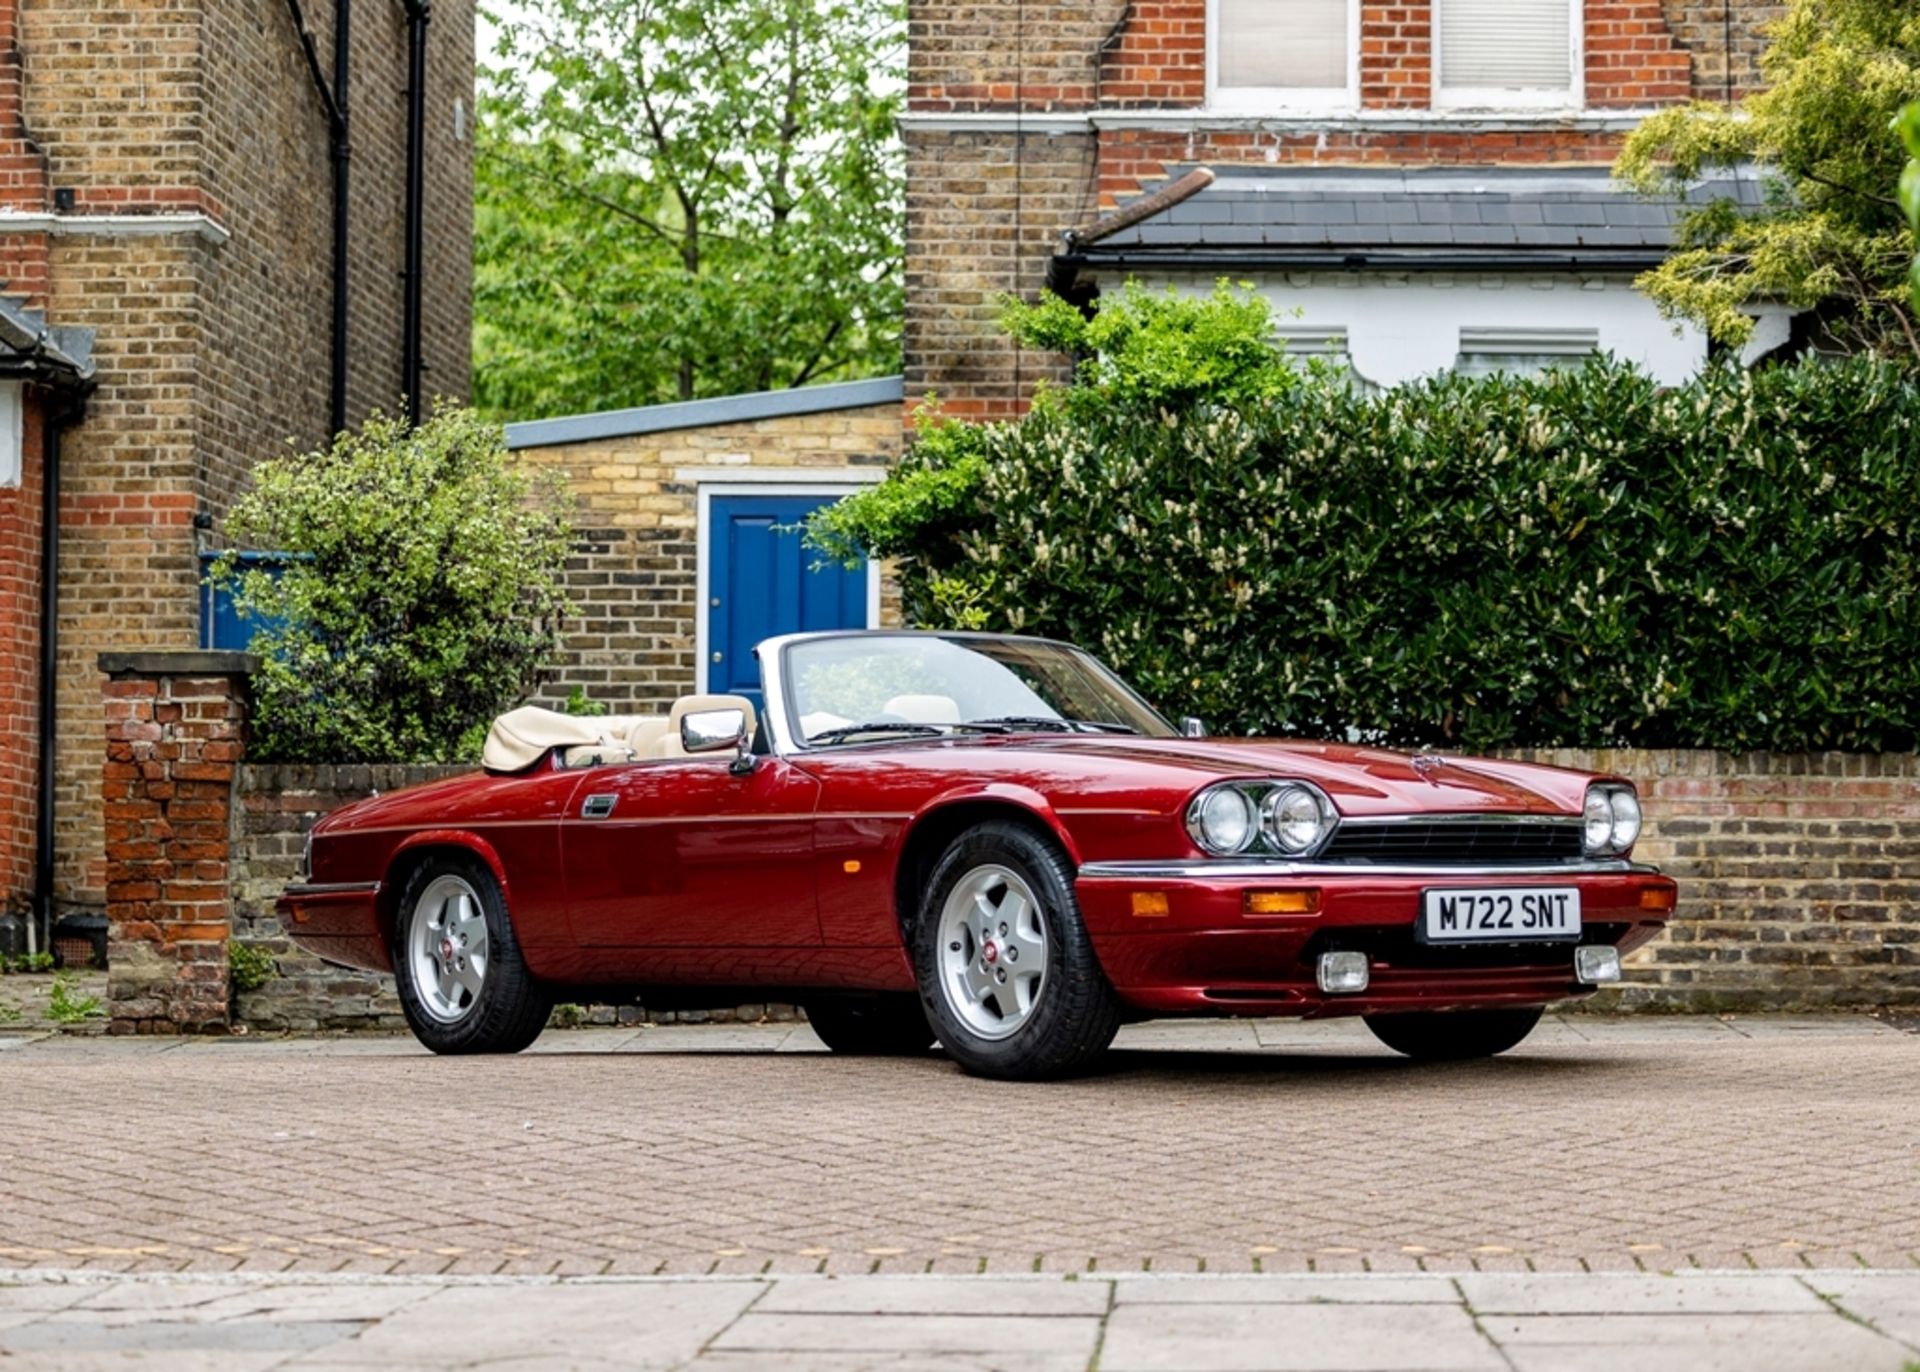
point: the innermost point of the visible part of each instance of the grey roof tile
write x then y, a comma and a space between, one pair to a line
1321, 209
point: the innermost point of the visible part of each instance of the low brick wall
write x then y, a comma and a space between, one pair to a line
1799, 878
1800, 886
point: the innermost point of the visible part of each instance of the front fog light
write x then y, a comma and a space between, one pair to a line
1595, 965
1342, 974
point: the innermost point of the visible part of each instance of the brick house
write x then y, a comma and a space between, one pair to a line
167, 250
1415, 184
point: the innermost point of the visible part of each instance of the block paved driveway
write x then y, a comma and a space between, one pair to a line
1633, 1145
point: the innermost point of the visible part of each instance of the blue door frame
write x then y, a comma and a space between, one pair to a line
761, 581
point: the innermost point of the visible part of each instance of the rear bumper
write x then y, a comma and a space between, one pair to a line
338, 922
1206, 955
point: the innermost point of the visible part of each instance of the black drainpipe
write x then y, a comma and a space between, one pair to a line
341, 150
55, 420
333, 100
418, 13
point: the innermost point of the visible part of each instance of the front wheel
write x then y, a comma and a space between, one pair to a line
463, 984
1453, 1036
1006, 970
871, 1026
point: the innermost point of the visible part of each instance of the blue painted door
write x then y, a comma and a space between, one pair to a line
761, 581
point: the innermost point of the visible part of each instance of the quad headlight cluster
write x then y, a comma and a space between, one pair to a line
1611, 819
1289, 818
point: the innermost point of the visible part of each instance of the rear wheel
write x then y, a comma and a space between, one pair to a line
1453, 1036
463, 984
871, 1026
1006, 970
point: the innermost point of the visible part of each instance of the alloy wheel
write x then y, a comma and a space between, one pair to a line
447, 943
993, 951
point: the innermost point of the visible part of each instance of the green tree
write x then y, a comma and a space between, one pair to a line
1830, 236
421, 594
682, 200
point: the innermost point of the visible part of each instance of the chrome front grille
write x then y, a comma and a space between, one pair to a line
1480, 840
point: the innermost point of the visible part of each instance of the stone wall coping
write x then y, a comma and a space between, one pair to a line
166, 662
700, 414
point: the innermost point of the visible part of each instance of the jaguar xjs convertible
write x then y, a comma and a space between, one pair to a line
983, 841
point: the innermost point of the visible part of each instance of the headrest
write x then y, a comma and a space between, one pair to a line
924, 709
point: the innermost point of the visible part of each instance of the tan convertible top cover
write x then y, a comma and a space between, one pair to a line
519, 738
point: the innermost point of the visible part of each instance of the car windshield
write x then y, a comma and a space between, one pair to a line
865, 686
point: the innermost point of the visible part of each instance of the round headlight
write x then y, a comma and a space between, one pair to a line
1222, 820
1626, 818
1293, 819
1597, 833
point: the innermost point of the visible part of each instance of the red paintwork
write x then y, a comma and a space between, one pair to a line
786, 878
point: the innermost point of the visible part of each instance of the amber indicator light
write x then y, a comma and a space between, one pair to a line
1656, 897
1301, 900
850, 866
1150, 904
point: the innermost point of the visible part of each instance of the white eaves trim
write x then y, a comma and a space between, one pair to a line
1190, 120
117, 225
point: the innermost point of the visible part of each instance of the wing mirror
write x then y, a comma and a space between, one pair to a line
1192, 726
718, 731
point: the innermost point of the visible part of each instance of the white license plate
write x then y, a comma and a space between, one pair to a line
1503, 914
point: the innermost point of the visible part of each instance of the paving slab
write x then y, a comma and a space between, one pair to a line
977, 1333
1286, 1290
1295, 1338
1803, 1343
993, 1297
1622, 1294
637, 1326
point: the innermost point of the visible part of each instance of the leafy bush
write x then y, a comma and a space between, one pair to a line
1581, 558
424, 596
249, 966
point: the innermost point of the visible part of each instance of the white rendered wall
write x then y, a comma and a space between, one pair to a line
1404, 325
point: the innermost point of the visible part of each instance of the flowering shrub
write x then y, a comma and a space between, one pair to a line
1581, 558
423, 597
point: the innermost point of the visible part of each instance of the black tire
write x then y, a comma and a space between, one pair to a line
510, 1008
1074, 1014
871, 1026
1453, 1036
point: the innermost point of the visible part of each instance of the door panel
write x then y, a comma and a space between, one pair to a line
689, 855
762, 582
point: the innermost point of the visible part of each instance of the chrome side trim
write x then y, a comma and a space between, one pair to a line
333, 888
1282, 870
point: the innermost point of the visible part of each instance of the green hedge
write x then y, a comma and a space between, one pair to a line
1577, 559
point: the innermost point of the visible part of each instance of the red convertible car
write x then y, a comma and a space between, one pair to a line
983, 840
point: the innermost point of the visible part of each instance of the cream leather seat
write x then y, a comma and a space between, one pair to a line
923, 709
668, 743
647, 731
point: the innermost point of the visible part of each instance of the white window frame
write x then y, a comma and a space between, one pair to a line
1574, 97
1283, 99
13, 452
804, 481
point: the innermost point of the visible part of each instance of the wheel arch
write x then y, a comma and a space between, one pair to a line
938, 824
421, 847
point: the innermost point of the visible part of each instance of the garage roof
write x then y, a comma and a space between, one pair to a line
1343, 217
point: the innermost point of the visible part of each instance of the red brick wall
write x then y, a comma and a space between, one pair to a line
19, 667
173, 748
1633, 59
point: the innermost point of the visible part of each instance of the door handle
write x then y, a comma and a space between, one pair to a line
598, 807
